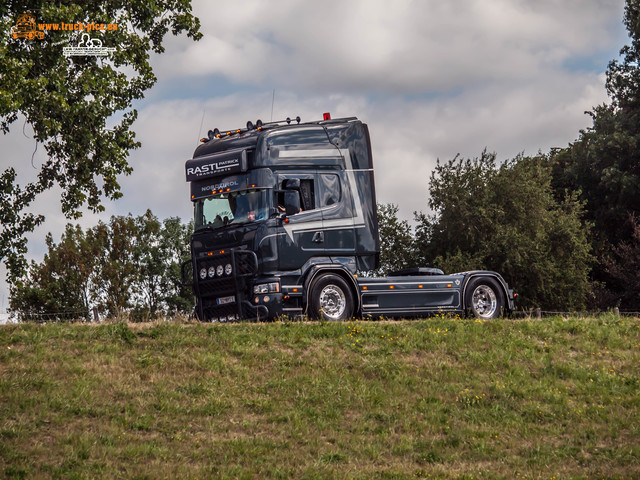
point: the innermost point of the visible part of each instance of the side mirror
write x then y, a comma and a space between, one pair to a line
291, 202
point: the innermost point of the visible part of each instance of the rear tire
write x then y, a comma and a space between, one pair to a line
484, 298
331, 299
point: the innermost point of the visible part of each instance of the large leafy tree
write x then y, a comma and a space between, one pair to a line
61, 283
603, 165
174, 244
622, 267
115, 284
80, 108
396, 240
506, 218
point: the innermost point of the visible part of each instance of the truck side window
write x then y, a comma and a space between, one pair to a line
307, 194
329, 191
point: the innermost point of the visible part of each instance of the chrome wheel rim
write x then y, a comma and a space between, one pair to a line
484, 301
332, 302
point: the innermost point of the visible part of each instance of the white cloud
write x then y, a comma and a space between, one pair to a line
409, 137
404, 46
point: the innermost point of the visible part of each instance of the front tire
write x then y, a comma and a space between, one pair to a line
331, 299
484, 298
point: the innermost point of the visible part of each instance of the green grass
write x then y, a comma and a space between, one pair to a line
436, 398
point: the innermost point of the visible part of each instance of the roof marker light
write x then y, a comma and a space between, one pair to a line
326, 116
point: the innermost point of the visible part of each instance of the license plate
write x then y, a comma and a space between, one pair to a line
225, 300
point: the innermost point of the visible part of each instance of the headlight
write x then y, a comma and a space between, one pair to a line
212, 272
203, 273
219, 270
273, 287
227, 269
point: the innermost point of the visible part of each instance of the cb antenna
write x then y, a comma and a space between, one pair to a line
201, 122
273, 100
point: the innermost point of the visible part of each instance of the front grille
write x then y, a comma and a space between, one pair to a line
221, 297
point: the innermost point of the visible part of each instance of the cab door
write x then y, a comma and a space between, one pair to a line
302, 236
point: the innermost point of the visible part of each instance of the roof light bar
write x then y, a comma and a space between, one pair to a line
259, 125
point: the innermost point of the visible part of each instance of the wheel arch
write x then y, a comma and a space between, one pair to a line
319, 270
495, 276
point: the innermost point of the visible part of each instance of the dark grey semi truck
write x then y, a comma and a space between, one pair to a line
285, 220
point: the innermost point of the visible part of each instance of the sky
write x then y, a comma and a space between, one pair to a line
432, 79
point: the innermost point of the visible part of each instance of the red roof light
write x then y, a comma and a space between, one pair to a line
326, 116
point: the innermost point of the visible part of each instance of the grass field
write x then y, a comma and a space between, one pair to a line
437, 398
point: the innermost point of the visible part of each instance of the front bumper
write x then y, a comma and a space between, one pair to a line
225, 297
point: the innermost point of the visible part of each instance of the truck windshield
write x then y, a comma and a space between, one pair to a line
232, 208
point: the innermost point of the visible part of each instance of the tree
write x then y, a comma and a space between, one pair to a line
623, 268
623, 79
507, 219
14, 223
459, 197
174, 243
148, 255
602, 166
59, 287
129, 267
115, 285
396, 240
80, 108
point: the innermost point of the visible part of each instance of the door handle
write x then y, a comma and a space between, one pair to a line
318, 237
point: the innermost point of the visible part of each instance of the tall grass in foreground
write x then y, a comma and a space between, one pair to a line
436, 398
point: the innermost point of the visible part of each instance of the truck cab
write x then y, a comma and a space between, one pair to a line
285, 222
